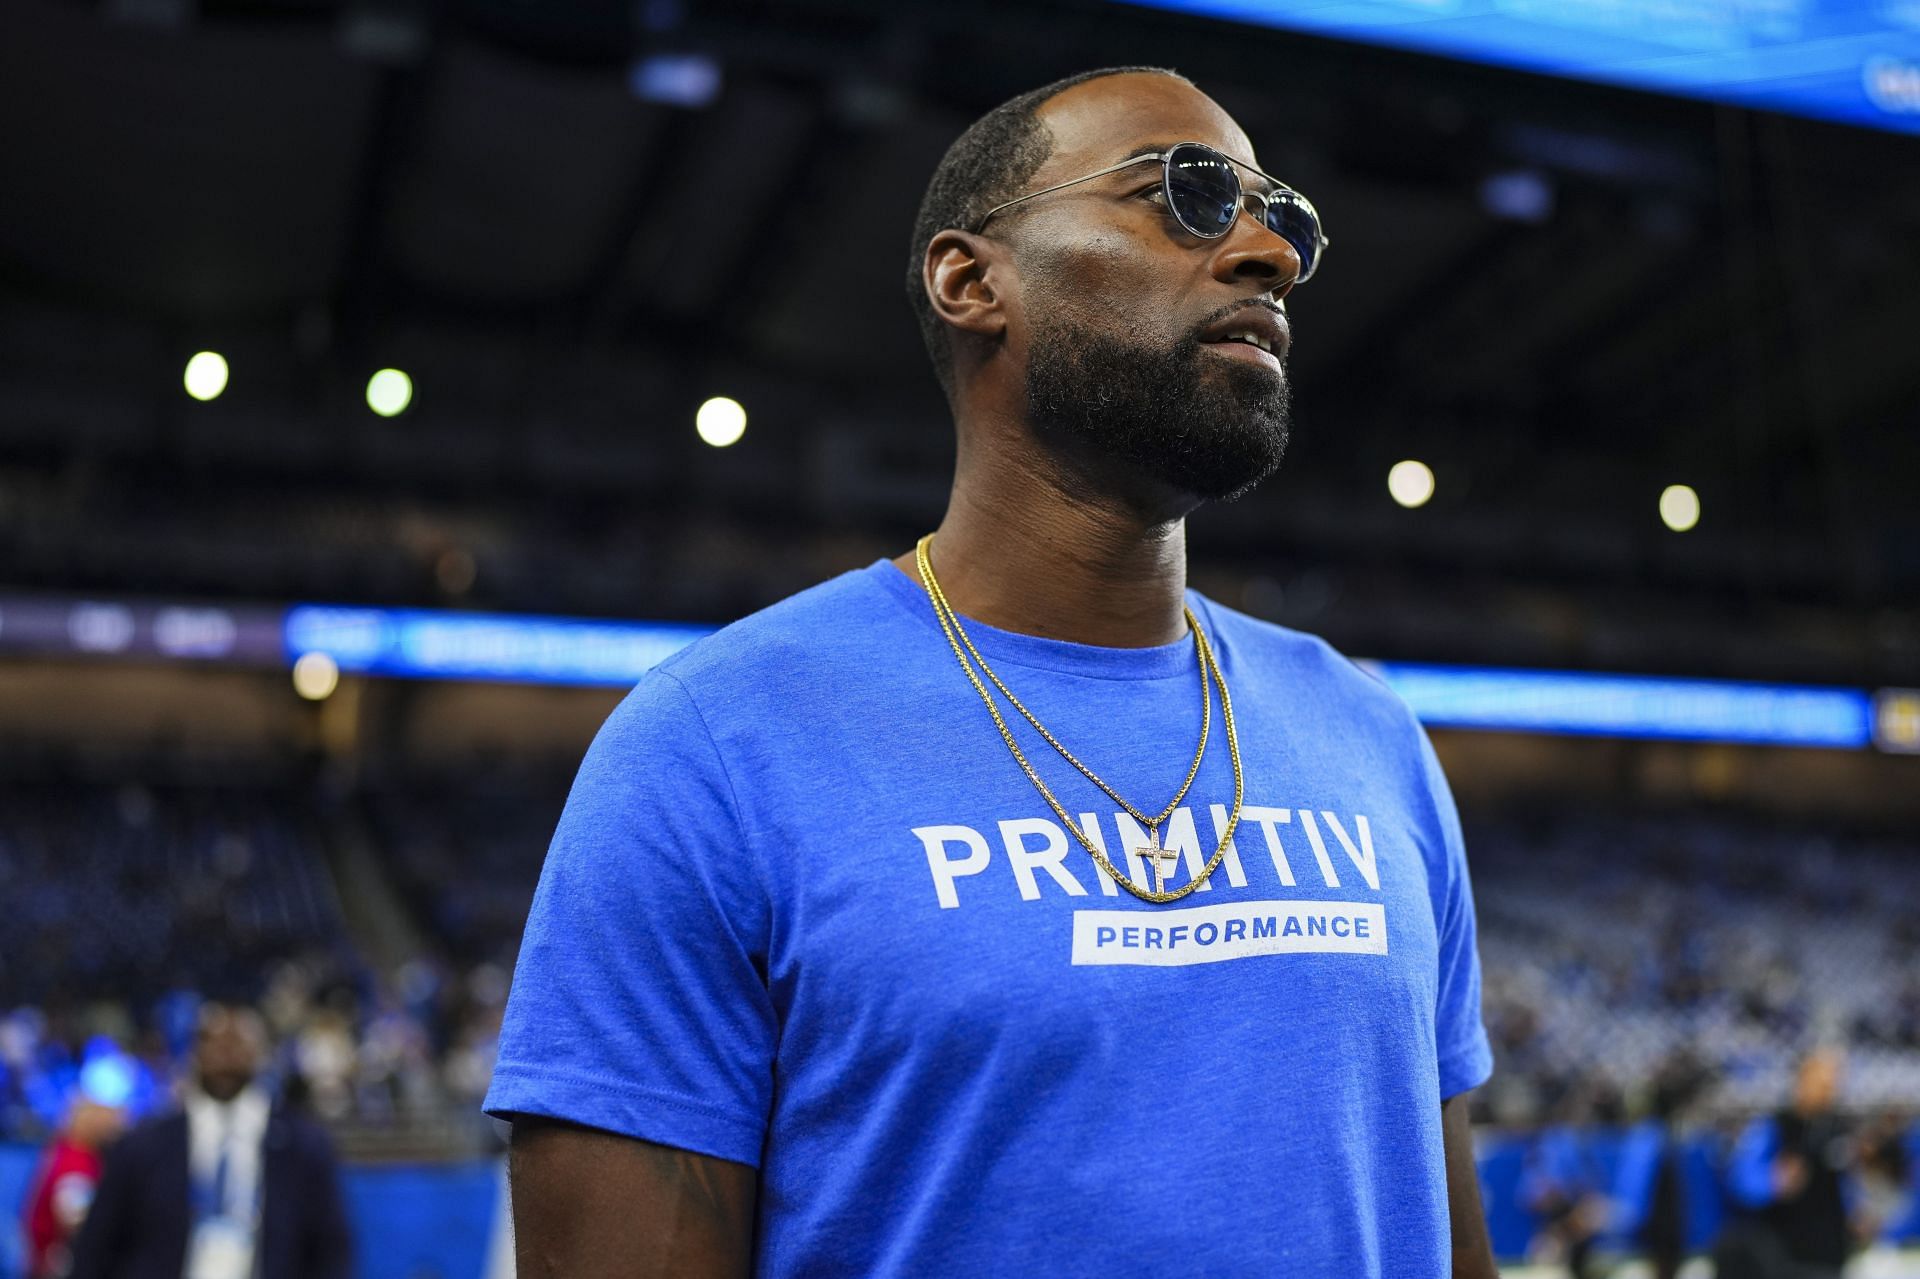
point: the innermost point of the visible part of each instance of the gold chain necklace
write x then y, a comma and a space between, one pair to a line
1152, 824
1153, 854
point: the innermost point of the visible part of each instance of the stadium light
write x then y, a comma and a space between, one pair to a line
206, 376
389, 392
676, 79
1410, 483
107, 1079
1679, 507
721, 421
315, 676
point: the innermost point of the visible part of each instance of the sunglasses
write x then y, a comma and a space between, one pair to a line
1203, 191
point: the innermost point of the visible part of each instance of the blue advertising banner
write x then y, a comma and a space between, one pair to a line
1579, 702
1854, 61
485, 646
422, 644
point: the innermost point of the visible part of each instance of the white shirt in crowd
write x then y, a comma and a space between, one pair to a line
224, 1141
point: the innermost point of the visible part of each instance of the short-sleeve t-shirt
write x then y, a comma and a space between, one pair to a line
804, 911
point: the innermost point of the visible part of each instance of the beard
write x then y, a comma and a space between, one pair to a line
1210, 427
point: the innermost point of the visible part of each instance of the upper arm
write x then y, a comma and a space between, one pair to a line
1633, 1180
1750, 1168
329, 1239
588, 1203
1472, 1250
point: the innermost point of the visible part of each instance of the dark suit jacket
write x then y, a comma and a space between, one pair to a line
141, 1216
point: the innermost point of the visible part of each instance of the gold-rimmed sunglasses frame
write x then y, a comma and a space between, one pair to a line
1165, 159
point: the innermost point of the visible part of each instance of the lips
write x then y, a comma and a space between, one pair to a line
1246, 353
1254, 334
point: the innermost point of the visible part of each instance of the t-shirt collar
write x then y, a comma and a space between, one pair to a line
1162, 661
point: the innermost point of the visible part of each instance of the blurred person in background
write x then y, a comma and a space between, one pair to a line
64, 1185
1561, 1185
781, 1007
1786, 1172
229, 1186
1885, 1170
1649, 1189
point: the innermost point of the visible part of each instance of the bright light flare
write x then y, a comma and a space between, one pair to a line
721, 421
315, 676
206, 376
1410, 483
389, 392
1679, 507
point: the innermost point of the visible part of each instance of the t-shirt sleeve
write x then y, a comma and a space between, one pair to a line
638, 1003
1466, 1057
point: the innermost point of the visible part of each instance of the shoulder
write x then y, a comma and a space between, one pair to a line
1275, 659
1319, 689
68, 1160
299, 1132
736, 695
152, 1137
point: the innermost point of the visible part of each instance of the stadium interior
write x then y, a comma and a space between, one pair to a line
571, 225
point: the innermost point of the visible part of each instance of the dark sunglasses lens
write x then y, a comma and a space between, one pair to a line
1203, 189
1293, 220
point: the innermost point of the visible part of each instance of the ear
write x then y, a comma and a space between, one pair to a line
960, 275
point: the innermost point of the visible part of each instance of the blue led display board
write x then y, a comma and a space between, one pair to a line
1632, 705
422, 644
484, 646
1855, 61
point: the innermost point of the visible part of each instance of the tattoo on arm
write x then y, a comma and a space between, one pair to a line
595, 1205
708, 1189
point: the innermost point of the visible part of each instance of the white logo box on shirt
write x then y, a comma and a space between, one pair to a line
1235, 930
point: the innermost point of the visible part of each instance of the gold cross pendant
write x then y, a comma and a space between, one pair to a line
1157, 857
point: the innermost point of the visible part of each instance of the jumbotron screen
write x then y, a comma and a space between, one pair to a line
1853, 61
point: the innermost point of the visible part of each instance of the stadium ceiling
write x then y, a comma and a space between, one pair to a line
1563, 297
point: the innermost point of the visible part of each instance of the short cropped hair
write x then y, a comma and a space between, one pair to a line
987, 165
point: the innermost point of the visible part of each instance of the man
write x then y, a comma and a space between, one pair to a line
1786, 1172
823, 978
1561, 1187
227, 1187
64, 1184
1650, 1179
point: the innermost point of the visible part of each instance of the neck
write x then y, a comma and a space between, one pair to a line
1043, 549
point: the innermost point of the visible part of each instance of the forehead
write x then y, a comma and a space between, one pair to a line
1103, 121
227, 1031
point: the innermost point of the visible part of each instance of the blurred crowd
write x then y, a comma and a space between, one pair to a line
1791, 1192
130, 904
233, 1180
127, 888
1615, 945
350, 1049
1707, 1030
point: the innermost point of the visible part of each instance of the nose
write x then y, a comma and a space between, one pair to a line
1251, 250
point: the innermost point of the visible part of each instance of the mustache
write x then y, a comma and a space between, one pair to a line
1251, 304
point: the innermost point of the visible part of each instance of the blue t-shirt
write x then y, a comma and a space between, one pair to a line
805, 912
